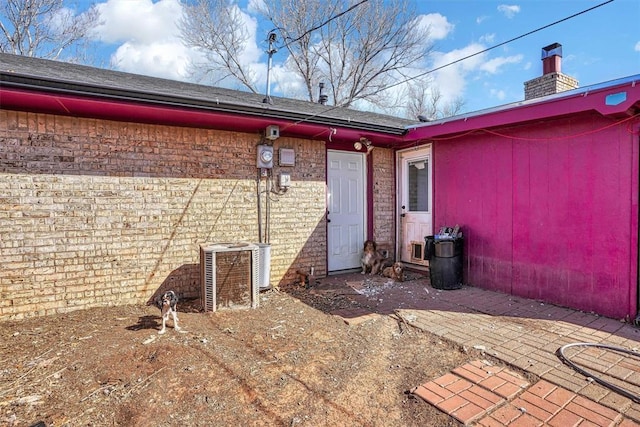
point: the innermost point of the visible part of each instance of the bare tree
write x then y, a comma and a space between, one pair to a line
452, 107
294, 21
217, 29
425, 102
42, 28
357, 48
359, 53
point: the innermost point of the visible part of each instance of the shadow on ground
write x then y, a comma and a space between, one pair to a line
353, 295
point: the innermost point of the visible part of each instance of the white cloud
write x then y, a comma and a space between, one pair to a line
255, 6
452, 80
488, 38
443, 58
492, 66
509, 10
286, 83
147, 36
481, 19
637, 47
251, 53
573, 57
498, 94
149, 42
140, 21
163, 59
58, 19
438, 25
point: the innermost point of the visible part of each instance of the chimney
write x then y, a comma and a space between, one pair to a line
323, 98
552, 58
552, 80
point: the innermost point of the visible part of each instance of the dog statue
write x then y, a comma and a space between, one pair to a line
167, 303
371, 259
395, 272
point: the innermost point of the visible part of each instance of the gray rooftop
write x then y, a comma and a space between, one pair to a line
62, 77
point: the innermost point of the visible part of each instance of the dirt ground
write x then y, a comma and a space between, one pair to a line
287, 363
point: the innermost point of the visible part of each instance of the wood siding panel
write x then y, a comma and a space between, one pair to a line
473, 181
546, 217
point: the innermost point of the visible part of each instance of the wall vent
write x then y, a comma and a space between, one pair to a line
229, 276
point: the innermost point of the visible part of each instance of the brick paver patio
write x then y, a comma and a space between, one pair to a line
524, 334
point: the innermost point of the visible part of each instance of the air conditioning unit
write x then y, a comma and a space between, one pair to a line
229, 276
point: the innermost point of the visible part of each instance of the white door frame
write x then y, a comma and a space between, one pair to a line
419, 223
346, 212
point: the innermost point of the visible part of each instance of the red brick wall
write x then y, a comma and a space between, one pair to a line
96, 213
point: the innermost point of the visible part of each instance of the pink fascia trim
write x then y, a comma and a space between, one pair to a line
611, 100
130, 111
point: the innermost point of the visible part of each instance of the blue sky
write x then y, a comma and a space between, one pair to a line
141, 36
598, 46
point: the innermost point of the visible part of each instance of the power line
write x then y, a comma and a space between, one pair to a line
498, 45
317, 27
450, 63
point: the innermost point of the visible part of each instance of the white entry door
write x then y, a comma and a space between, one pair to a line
345, 209
416, 211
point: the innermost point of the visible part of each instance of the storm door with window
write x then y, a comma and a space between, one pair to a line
415, 204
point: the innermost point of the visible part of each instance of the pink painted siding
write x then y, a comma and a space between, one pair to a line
551, 219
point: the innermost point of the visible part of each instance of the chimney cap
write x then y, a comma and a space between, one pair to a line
551, 50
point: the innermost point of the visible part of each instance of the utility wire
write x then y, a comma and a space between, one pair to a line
498, 45
450, 63
317, 27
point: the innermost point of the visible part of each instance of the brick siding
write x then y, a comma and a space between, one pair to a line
384, 197
98, 213
548, 84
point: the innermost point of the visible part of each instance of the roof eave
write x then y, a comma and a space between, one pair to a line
73, 91
612, 98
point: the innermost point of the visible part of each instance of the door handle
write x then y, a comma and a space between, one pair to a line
403, 215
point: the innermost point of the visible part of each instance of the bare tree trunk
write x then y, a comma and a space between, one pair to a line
359, 54
361, 50
43, 28
425, 102
217, 29
358, 48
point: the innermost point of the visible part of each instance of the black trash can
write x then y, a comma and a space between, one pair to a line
445, 262
428, 247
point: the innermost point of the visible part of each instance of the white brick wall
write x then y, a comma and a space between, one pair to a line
96, 213
99, 213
